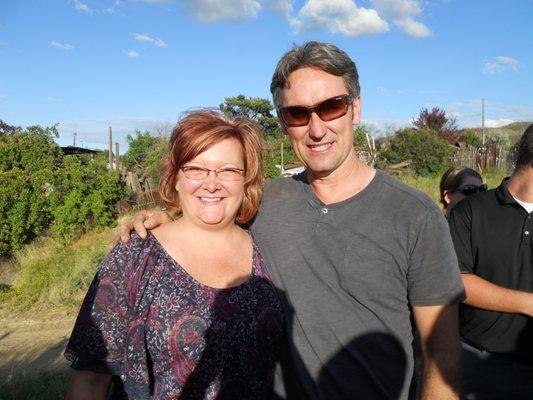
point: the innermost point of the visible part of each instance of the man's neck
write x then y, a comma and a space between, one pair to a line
521, 185
342, 183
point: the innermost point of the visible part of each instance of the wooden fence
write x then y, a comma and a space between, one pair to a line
482, 159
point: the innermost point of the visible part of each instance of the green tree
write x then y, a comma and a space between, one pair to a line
471, 139
499, 139
139, 147
429, 153
360, 136
41, 188
257, 109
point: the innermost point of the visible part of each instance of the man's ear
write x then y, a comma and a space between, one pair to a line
356, 111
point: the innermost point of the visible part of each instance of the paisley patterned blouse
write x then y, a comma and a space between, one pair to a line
168, 336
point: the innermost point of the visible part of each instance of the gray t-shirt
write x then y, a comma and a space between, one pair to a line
348, 274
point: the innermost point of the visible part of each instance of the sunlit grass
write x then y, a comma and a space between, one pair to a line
51, 275
430, 184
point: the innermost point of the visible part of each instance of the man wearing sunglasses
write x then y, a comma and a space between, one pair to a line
492, 233
358, 254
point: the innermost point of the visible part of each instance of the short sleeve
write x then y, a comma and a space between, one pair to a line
98, 338
433, 274
460, 221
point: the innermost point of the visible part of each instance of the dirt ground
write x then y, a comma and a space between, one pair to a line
31, 344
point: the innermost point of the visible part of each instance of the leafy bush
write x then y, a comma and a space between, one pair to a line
472, 139
428, 151
41, 188
500, 139
84, 199
360, 139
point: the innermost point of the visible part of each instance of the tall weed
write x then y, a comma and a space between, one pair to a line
54, 275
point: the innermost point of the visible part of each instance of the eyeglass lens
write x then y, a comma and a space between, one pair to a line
226, 174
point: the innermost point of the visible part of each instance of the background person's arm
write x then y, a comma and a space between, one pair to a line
88, 385
438, 327
488, 296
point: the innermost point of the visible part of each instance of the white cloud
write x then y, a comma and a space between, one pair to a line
507, 60
210, 11
52, 99
335, 16
338, 16
413, 28
500, 64
496, 123
132, 54
402, 12
82, 7
3, 98
145, 38
62, 46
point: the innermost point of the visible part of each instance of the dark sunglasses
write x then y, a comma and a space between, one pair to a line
328, 110
468, 190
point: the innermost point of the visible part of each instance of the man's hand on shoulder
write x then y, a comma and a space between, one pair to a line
142, 221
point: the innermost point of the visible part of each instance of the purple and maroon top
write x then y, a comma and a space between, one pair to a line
168, 336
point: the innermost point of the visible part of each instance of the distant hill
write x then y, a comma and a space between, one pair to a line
514, 130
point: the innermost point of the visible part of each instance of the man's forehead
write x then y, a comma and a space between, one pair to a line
309, 85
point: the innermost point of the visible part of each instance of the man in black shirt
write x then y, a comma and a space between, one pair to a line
493, 237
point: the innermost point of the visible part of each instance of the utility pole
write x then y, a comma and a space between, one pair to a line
117, 162
483, 122
110, 149
74, 144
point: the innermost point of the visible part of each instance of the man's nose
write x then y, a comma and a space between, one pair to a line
317, 127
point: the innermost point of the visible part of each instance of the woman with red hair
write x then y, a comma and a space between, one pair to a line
190, 312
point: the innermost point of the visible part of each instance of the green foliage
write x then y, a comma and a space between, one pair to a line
471, 139
272, 155
154, 157
24, 207
85, 199
31, 150
499, 139
138, 149
255, 108
145, 153
360, 137
428, 152
41, 188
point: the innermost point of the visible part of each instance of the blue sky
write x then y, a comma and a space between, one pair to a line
88, 64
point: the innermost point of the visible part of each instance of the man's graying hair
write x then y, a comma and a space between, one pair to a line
323, 56
525, 150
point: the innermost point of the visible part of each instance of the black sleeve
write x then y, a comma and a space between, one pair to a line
460, 222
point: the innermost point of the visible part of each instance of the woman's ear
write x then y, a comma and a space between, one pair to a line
447, 196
